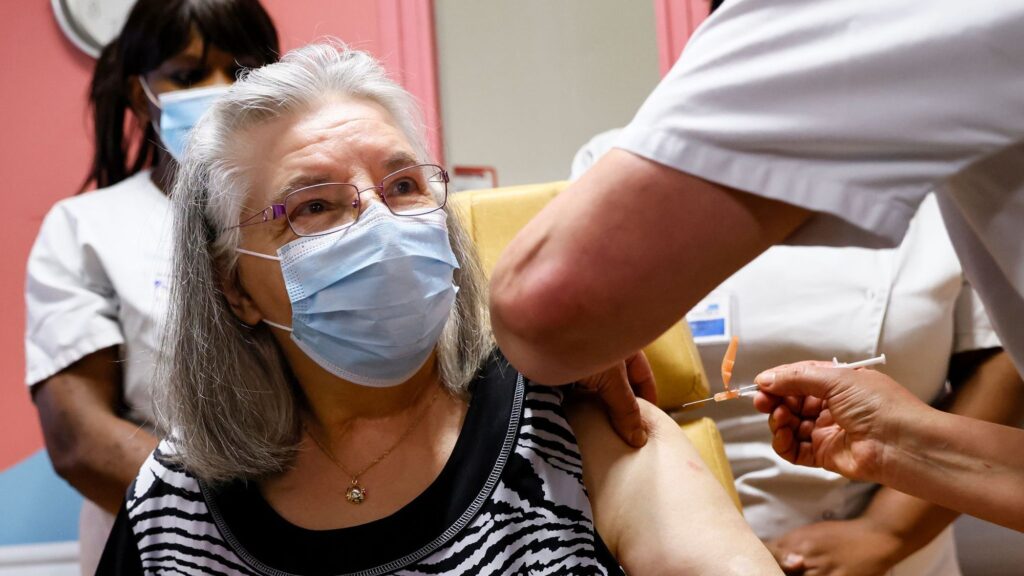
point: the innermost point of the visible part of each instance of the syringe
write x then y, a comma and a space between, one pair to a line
752, 389
727, 395
861, 364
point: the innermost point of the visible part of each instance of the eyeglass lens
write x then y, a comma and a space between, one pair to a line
323, 208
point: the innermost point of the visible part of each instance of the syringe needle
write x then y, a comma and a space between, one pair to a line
728, 395
695, 402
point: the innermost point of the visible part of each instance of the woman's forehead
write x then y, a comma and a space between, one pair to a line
329, 142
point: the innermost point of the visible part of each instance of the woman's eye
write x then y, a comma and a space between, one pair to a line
404, 186
188, 77
311, 208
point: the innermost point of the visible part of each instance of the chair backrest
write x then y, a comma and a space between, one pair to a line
493, 217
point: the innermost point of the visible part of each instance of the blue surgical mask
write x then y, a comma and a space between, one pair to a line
369, 303
180, 110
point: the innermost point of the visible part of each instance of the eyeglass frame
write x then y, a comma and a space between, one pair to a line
277, 211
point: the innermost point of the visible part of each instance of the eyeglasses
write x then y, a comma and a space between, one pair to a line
324, 208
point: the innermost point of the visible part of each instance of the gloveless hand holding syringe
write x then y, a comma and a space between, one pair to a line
729, 360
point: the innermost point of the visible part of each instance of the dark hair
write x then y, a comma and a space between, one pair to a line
155, 31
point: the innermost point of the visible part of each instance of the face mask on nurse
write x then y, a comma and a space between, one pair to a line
180, 110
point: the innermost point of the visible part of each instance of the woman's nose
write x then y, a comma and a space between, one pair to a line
369, 195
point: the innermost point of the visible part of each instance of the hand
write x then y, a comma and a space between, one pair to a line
843, 420
618, 388
856, 547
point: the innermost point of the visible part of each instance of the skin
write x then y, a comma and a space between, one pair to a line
659, 509
621, 402
865, 426
91, 445
598, 274
349, 140
895, 525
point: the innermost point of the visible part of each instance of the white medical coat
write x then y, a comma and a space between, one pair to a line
857, 110
98, 277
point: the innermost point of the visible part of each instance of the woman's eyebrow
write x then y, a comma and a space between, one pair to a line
399, 160
298, 183
396, 161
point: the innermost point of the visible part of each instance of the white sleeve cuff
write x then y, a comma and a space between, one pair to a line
40, 365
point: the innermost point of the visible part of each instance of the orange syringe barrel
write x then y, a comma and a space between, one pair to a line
729, 361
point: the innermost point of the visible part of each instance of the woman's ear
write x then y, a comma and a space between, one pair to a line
241, 304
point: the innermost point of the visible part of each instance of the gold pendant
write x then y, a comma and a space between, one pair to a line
355, 493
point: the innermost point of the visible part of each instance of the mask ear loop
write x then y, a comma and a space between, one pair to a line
155, 102
276, 325
258, 254
149, 93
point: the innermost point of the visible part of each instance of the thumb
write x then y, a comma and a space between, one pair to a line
641, 377
790, 562
800, 379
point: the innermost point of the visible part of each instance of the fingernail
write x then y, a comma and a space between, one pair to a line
765, 379
793, 560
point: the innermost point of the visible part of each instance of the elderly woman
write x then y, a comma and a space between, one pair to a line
336, 403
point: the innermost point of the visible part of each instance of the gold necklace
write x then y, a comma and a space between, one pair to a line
356, 492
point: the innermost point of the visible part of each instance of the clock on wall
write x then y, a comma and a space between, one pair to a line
91, 24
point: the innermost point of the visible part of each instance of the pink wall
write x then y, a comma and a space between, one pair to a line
45, 146
44, 154
676, 20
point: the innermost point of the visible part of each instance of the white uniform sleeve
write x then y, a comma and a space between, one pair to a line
592, 151
71, 307
972, 329
854, 109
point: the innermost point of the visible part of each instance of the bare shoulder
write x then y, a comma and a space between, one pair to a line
658, 508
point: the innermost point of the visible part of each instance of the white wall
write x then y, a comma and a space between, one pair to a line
53, 559
525, 83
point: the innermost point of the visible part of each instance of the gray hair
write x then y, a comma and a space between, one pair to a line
225, 393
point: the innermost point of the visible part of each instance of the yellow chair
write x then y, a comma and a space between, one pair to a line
493, 217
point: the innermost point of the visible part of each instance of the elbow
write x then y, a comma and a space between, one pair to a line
67, 459
533, 315
61, 435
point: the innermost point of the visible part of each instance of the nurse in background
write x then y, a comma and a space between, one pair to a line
912, 303
98, 273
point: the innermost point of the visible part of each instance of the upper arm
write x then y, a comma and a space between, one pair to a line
71, 332
987, 386
631, 239
659, 509
68, 400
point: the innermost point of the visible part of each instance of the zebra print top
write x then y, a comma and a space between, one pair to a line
510, 500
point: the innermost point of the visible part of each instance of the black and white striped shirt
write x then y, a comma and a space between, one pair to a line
510, 500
